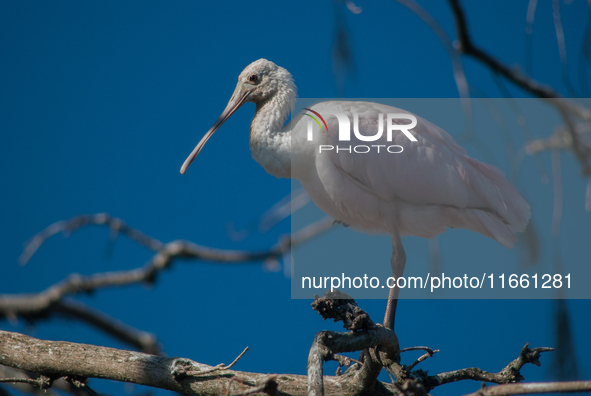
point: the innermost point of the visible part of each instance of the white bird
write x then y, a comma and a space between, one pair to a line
429, 187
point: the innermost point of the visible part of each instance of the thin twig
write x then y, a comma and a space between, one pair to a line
419, 348
62, 384
143, 341
422, 358
522, 122
453, 54
565, 107
79, 383
557, 211
345, 360
526, 82
69, 226
328, 343
219, 367
534, 388
511, 372
584, 56
560, 139
562, 47
529, 31
62, 358
42, 382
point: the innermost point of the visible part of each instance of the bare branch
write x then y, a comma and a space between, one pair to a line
562, 47
183, 371
237, 358
557, 210
580, 150
188, 249
56, 359
584, 58
77, 362
344, 361
522, 122
534, 388
452, 52
565, 107
511, 373
342, 307
342, 55
282, 209
382, 345
42, 382
527, 83
422, 358
529, 31
419, 348
454, 56
143, 341
69, 226
65, 384
560, 139
328, 343
34, 303
364, 334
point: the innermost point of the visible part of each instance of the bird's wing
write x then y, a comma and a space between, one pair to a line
433, 170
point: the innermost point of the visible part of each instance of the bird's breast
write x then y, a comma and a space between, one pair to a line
273, 152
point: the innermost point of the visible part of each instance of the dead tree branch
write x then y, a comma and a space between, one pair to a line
560, 139
55, 359
183, 370
565, 107
77, 362
174, 249
422, 358
522, 80
63, 384
534, 388
382, 351
364, 334
509, 374
32, 304
142, 340
67, 227
42, 382
452, 52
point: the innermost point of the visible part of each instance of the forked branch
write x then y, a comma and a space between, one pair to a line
43, 303
566, 108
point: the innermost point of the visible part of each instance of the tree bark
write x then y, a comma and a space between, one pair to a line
56, 359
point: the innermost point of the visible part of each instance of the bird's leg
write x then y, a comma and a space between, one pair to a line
398, 262
391, 308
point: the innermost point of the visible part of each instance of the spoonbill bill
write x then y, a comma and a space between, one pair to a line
433, 185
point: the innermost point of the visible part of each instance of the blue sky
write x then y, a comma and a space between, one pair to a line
100, 103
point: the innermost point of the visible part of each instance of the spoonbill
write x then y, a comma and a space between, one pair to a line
433, 185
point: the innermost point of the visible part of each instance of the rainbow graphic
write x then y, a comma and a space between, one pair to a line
315, 119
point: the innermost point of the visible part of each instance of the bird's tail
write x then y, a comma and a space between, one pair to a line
510, 211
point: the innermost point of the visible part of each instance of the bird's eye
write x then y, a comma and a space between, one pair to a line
253, 78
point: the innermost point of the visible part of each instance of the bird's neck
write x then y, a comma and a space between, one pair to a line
270, 141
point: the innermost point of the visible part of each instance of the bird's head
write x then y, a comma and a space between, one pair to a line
263, 79
259, 82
